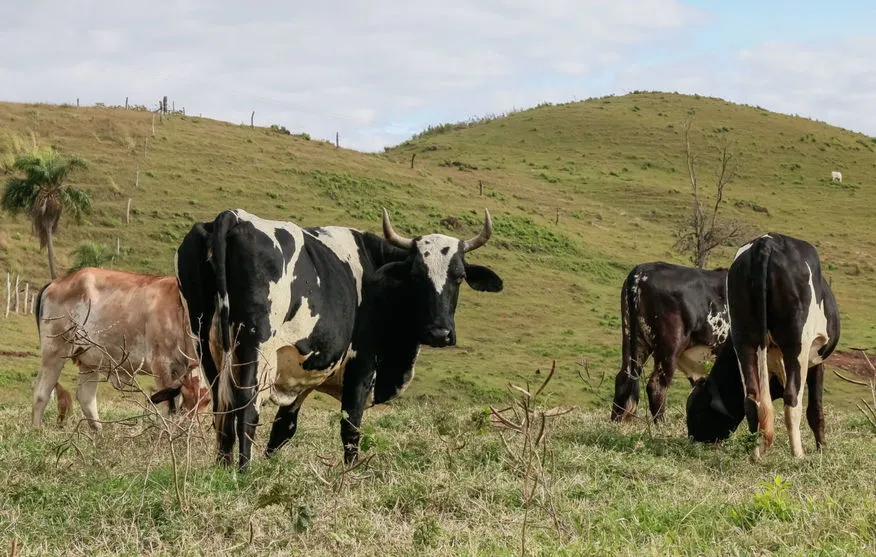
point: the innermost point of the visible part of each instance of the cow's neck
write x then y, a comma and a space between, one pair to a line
391, 329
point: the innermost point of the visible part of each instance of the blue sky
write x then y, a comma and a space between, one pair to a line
380, 71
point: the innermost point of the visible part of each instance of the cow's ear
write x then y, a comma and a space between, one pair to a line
483, 279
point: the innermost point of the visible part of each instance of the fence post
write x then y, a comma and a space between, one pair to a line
77, 102
8, 292
252, 119
337, 140
146, 148
118, 245
126, 103
412, 159
128, 212
26, 297
153, 124
481, 187
137, 177
32, 302
17, 294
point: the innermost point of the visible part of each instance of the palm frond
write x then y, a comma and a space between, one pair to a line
76, 202
19, 196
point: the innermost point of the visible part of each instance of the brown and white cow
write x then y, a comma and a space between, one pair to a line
114, 324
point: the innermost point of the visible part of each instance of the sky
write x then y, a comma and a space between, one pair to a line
377, 72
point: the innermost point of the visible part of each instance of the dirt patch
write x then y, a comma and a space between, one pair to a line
16, 354
851, 361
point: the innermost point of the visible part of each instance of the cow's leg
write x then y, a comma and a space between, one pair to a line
86, 394
357, 385
285, 424
50, 370
815, 410
665, 363
758, 402
796, 364
255, 364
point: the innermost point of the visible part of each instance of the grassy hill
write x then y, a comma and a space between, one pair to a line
580, 193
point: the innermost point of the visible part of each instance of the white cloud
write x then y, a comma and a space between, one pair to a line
368, 70
378, 71
834, 81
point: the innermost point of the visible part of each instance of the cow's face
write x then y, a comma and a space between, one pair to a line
437, 270
707, 421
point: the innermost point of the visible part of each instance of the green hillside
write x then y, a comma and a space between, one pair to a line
579, 192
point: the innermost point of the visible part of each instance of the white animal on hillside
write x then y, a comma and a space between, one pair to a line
836, 176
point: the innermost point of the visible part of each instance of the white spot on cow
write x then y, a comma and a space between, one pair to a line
342, 243
438, 251
720, 324
224, 302
742, 250
644, 278
693, 361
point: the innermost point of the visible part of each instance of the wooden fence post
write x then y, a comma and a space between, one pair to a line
128, 212
118, 246
77, 102
337, 140
126, 103
146, 148
8, 292
153, 124
137, 177
252, 119
17, 294
481, 187
412, 159
32, 302
26, 296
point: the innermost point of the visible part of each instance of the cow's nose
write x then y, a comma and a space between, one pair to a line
439, 337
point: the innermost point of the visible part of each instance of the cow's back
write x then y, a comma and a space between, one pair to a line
125, 318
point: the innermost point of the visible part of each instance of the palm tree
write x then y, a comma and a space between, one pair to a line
43, 194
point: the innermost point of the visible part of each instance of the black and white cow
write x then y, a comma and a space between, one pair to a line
784, 324
677, 314
292, 310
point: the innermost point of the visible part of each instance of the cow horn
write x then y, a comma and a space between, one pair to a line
481, 238
392, 236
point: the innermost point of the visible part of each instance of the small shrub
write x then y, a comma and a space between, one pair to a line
280, 129
91, 254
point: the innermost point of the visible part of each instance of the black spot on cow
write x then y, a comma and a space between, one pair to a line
445, 249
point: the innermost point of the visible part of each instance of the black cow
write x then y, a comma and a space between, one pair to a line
677, 314
784, 324
292, 310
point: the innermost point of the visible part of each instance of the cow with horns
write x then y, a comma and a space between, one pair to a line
282, 310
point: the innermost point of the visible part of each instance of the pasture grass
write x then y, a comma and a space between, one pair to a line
438, 481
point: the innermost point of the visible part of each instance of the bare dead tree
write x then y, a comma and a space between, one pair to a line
866, 408
703, 230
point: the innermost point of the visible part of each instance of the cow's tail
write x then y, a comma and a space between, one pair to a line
626, 385
38, 308
217, 253
631, 287
760, 260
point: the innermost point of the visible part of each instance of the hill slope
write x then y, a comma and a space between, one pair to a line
579, 192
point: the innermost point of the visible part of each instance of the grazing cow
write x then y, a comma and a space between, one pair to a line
111, 323
677, 314
784, 324
285, 310
836, 176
